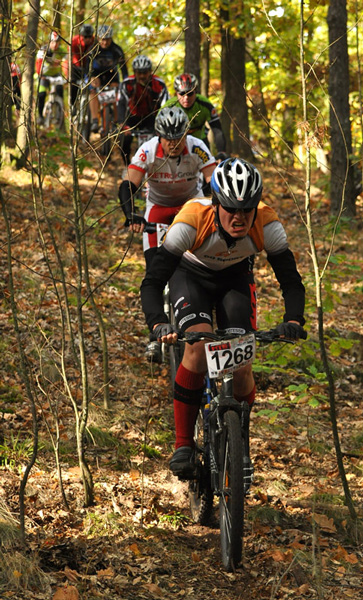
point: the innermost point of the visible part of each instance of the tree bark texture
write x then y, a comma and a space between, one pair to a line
192, 38
342, 185
5, 60
24, 129
233, 75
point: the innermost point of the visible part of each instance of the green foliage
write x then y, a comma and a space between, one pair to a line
97, 524
15, 452
150, 452
101, 438
176, 519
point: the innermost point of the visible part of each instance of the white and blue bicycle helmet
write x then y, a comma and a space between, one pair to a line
236, 184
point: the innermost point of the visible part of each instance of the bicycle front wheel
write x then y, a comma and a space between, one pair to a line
199, 490
231, 502
54, 114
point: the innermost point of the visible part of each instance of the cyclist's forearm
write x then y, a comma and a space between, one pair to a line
126, 191
293, 290
162, 268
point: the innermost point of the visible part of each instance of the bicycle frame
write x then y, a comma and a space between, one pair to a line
108, 98
54, 104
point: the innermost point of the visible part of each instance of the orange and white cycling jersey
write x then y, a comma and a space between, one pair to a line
195, 235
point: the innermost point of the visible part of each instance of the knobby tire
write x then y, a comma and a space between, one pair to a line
54, 114
199, 489
231, 502
106, 127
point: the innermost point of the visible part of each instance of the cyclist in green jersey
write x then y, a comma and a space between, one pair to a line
199, 110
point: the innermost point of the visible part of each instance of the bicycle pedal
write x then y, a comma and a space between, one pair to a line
248, 474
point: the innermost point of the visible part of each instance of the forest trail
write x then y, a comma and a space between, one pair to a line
137, 542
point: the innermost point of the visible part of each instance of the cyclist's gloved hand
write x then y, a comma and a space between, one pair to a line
291, 331
163, 329
134, 220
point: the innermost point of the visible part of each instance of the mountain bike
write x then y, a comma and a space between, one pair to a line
54, 108
108, 98
82, 113
222, 466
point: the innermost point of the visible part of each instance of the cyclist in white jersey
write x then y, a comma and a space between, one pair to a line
173, 163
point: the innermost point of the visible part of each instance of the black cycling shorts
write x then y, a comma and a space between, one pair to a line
231, 293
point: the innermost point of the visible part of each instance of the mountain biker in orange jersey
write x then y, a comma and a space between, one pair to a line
207, 256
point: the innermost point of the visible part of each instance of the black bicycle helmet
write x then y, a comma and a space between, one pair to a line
86, 31
105, 32
142, 63
171, 122
187, 82
237, 184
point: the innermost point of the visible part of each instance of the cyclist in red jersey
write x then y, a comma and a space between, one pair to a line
207, 256
142, 95
48, 64
81, 55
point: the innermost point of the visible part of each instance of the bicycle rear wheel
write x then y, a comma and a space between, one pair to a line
105, 147
231, 502
199, 489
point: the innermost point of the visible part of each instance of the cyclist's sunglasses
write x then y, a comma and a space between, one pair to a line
233, 211
186, 93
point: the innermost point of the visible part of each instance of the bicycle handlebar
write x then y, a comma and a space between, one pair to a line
148, 227
268, 336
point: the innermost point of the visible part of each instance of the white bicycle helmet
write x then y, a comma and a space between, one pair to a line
171, 122
236, 184
142, 63
105, 32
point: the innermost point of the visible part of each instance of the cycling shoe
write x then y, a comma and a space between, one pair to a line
180, 463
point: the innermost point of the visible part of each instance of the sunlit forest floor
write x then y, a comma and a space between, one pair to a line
137, 541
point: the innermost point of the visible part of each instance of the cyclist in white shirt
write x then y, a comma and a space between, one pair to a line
173, 163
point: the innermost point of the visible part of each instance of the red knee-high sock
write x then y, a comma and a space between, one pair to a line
249, 398
188, 392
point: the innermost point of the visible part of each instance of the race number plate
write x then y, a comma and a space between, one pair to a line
161, 230
229, 355
108, 96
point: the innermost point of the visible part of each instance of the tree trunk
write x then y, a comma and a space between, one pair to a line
342, 188
233, 74
5, 59
192, 38
80, 12
25, 120
205, 60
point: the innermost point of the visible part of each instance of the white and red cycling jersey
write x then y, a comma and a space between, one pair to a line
172, 181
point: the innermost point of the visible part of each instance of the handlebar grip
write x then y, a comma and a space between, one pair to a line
148, 227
